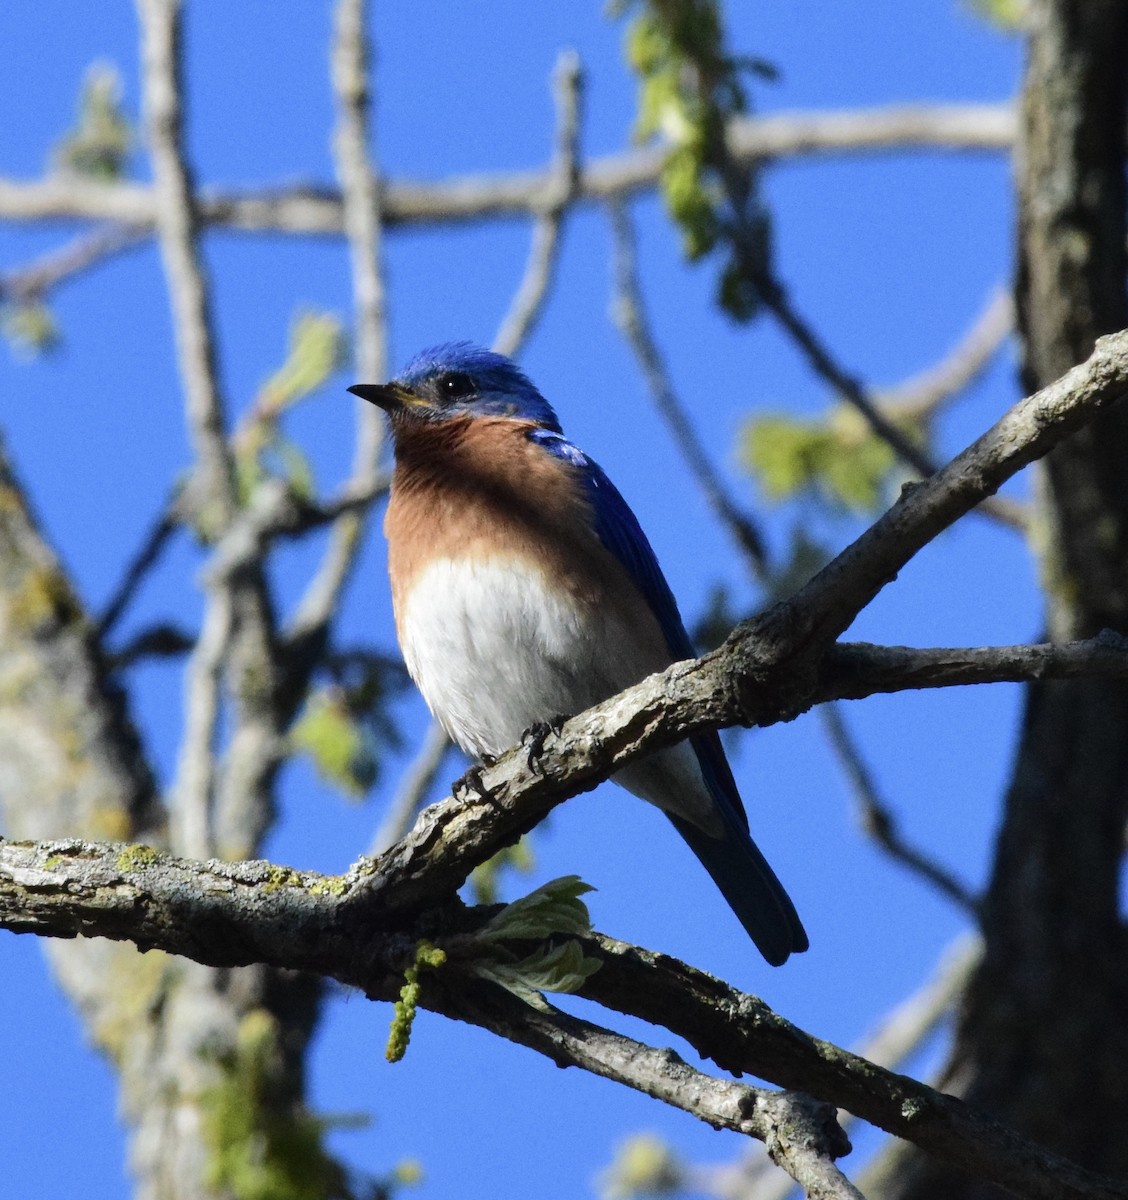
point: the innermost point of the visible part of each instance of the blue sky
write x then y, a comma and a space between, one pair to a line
890, 256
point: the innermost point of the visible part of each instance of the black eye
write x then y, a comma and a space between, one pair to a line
455, 385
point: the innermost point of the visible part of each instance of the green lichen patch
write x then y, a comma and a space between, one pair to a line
136, 857
43, 597
262, 1144
329, 885
278, 878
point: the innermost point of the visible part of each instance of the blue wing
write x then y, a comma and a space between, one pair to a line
734, 861
618, 529
620, 532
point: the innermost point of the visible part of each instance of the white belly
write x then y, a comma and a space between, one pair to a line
495, 651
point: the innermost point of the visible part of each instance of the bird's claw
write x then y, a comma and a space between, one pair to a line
534, 738
470, 784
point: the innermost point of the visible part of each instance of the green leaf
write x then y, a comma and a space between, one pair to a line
560, 968
553, 908
644, 1165
836, 457
100, 144
317, 348
30, 327
1009, 16
340, 745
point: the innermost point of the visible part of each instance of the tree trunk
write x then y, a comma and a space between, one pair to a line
1043, 1041
71, 764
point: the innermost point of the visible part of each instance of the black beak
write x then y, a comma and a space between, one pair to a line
384, 395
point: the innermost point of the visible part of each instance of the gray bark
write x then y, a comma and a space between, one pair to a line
1043, 1044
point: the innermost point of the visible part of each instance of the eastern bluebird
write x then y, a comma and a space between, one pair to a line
524, 588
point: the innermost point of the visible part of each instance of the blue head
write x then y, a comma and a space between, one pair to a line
459, 379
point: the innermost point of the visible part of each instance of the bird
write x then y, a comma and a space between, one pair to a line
523, 589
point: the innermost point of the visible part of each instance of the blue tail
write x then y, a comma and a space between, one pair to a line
750, 886
736, 865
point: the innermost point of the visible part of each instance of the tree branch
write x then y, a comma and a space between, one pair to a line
227, 914
629, 313
877, 819
922, 395
528, 303
32, 281
312, 210
857, 669
176, 221
363, 222
144, 560
800, 1134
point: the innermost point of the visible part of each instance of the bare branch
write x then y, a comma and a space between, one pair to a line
144, 560
629, 312
740, 1033
922, 395
363, 218
959, 127
800, 1134
414, 788
163, 640
528, 303
192, 832
877, 819
277, 511
33, 281
174, 215
857, 669
899, 1035
229, 914
213, 490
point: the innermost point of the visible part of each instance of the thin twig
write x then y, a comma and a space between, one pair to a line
191, 828
923, 395
899, 1035
214, 488
144, 560
629, 312
361, 190
177, 229
414, 788
528, 303
854, 670
163, 640
35, 279
878, 820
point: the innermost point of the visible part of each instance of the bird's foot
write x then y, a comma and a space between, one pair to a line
470, 785
534, 738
